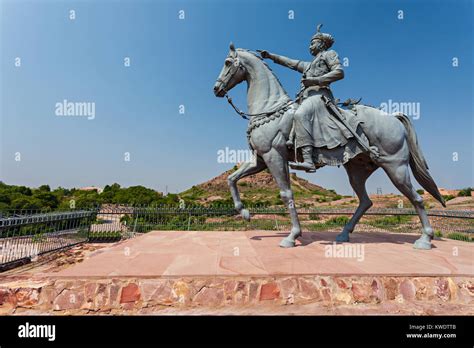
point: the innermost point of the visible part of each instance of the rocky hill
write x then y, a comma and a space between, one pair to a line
257, 189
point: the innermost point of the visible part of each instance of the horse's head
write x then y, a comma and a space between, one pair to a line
232, 73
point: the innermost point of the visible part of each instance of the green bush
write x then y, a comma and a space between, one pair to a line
460, 236
105, 236
466, 192
448, 197
338, 220
228, 202
390, 220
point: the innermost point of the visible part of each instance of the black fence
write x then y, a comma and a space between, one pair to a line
446, 223
26, 234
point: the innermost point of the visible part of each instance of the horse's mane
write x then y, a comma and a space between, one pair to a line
262, 60
256, 55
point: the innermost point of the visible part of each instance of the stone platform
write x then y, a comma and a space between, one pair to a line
173, 270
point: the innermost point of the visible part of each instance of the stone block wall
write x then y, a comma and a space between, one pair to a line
131, 295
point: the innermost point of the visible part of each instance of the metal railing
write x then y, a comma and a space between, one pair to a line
26, 234
223, 218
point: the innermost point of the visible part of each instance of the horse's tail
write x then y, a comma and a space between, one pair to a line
418, 163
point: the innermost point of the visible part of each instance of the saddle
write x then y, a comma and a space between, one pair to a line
349, 103
351, 138
345, 109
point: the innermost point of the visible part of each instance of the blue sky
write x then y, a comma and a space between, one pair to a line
175, 62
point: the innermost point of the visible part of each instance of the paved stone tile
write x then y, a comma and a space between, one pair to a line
182, 253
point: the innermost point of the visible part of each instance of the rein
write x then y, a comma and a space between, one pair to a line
248, 116
242, 114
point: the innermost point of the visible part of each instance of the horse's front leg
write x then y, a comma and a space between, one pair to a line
246, 169
278, 166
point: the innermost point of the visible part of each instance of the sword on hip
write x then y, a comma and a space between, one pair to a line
335, 111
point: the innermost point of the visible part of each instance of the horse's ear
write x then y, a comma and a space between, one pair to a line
233, 53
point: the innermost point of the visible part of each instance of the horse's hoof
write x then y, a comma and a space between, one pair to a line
342, 237
287, 243
245, 214
422, 244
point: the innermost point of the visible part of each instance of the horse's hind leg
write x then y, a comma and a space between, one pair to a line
400, 176
358, 172
246, 169
278, 167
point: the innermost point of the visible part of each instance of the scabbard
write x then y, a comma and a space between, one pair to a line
335, 111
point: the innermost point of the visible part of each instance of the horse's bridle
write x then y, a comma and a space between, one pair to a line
242, 114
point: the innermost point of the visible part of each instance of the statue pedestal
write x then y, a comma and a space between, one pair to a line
245, 272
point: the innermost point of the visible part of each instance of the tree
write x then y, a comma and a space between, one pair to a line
29, 203
47, 199
44, 188
5, 198
136, 195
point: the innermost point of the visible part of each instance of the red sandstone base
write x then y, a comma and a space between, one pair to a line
247, 272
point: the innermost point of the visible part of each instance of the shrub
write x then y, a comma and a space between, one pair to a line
105, 236
460, 236
390, 220
338, 220
448, 197
465, 192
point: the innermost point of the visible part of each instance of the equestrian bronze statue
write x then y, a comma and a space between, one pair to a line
313, 129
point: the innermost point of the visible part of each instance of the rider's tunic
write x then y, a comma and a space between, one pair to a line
314, 124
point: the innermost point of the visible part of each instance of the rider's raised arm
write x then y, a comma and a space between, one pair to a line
294, 64
336, 71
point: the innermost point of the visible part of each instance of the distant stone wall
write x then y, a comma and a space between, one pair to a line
135, 296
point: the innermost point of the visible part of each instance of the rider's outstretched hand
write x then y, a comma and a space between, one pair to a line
264, 54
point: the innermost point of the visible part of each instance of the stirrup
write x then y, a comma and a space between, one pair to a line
300, 166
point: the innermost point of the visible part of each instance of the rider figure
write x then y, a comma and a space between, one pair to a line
317, 76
